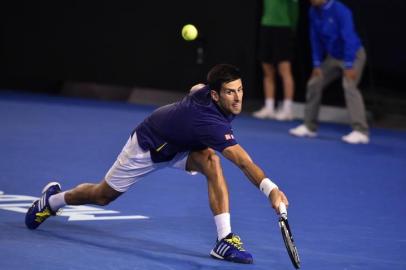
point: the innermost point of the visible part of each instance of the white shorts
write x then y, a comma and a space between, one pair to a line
133, 163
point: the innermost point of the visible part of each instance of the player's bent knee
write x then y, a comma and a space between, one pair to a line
205, 161
212, 165
208, 158
214, 159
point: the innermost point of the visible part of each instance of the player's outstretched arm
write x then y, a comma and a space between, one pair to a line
255, 174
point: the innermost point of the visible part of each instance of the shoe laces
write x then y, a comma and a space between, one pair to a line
41, 216
235, 241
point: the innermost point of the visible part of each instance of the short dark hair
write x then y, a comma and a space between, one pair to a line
222, 73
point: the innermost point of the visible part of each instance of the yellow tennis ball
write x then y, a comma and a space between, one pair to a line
189, 32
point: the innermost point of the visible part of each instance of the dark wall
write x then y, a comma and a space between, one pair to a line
44, 43
126, 42
381, 26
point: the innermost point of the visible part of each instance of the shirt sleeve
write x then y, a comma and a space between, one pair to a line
317, 46
348, 35
217, 137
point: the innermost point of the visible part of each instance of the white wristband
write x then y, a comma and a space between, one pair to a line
266, 186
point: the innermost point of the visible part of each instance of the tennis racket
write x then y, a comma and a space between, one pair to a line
287, 236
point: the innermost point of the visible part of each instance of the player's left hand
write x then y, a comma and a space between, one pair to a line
276, 197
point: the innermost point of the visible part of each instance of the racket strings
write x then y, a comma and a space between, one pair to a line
289, 243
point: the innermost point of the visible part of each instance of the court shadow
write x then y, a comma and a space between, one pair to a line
172, 255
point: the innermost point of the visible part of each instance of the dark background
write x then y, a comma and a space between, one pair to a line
45, 44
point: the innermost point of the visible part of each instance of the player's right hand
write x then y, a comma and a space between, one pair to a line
276, 197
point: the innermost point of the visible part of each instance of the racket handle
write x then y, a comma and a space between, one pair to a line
282, 210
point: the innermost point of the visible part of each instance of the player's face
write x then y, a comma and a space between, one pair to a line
230, 98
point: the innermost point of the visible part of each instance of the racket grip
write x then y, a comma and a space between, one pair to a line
282, 210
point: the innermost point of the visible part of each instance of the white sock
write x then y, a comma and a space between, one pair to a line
223, 225
287, 105
57, 201
269, 103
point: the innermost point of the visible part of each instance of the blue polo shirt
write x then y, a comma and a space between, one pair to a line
332, 32
194, 123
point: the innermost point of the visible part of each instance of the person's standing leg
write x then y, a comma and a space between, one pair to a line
320, 78
285, 71
353, 96
315, 86
266, 51
268, 81
269, 85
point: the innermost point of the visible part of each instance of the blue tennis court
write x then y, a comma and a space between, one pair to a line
348, 206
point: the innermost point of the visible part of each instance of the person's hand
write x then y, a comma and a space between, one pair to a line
276, 197
350, 74
316, 72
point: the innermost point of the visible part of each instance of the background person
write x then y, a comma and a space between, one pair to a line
276, 37
336, 52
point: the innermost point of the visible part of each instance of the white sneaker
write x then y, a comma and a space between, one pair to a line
356, 137
264, 113
302, 131
284, 115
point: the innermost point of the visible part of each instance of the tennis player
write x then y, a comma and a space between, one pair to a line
183, 135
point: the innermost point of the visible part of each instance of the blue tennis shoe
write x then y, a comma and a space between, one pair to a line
40, 209
230, 249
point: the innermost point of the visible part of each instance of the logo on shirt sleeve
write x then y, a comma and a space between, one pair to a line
229, 136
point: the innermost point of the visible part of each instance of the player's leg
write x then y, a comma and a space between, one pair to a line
53, 199
208, 163
228, 245
87, 193
131, 164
